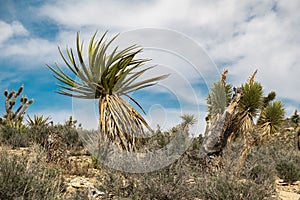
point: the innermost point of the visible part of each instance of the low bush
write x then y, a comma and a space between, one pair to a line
224, 186
13, 137
288, 171
21, 180
38, 135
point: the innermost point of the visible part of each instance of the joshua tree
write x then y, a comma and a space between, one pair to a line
238, 119
219, 117
254, 105
107, 77
11, 117
219, 131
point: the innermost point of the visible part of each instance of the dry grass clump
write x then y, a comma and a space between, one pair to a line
23, 178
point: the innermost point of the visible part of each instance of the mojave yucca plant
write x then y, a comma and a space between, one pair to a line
108, 77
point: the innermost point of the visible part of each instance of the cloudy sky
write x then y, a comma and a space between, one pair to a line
190, 39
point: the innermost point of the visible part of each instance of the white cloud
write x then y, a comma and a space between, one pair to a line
34, 47
244, 35
10, 30
16, 42
270, 44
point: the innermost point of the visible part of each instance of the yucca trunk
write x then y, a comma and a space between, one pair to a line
120, 122
243, 156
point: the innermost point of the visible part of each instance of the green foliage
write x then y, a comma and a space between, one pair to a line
271, 96
72, 123
242, 116
272, 115
288, 170
188, 120
252, 100
219, 98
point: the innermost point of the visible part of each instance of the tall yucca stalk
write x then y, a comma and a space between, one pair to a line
108, 76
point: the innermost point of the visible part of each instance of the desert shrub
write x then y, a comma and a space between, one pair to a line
13, 137
226, 186
38, 135
259, 174
288, 170
189, 178
172, 182
117, 184
21, 180
185, 180
69, 135
260, 166
166, 184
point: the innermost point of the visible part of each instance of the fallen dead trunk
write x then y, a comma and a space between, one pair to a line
219, 132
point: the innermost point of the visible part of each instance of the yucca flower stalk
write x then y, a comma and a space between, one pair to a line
108, 77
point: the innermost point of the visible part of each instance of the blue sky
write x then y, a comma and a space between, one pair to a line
240, 36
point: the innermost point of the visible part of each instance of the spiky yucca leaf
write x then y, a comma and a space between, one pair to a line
117, 119
37, 120
218, 98
252, 100
272, 116
106, 73
106, 77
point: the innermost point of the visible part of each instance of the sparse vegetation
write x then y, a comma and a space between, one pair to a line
188, 178
246, 146
22, 179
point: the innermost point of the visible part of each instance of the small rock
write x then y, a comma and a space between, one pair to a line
96, 193
70, 189
288, 195
80, 182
